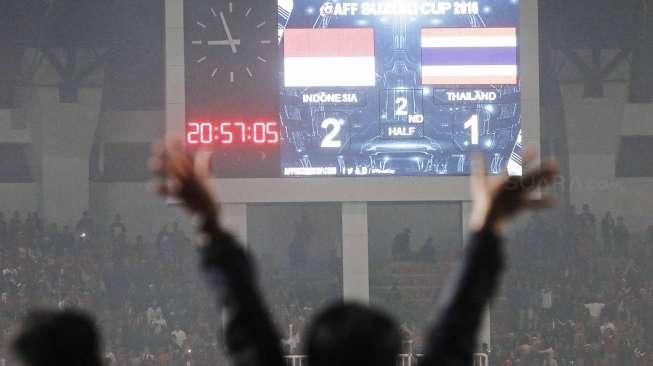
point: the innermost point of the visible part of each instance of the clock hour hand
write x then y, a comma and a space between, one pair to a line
228, 32
226, 42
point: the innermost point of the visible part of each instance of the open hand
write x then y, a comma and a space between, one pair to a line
185, 178
498, 199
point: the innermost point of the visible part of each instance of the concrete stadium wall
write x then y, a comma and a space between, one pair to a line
594, 128
16, 196
145, 212
62, 136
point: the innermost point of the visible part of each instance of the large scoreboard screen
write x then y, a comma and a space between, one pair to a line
356, 88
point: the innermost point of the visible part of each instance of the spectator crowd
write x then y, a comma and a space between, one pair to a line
145, 294
148, 296
579, 290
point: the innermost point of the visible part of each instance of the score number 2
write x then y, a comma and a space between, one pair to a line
472, 125
401, 107
332, 138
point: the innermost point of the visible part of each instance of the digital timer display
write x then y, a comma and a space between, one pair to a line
232, 133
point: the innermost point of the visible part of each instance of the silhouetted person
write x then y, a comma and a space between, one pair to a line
15, 225
401, 246
117, 227
67, 338
139, 247
66, 240
607, 231
622, 236
588, 220
350, 334
85, 227
3, 228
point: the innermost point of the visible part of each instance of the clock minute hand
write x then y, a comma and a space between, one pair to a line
228, 32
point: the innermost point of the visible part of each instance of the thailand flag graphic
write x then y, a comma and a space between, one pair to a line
469, 56
329, 57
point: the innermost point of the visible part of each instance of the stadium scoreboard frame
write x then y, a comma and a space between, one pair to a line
348, 189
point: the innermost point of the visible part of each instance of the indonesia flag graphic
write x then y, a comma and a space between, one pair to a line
329, 57
469, 56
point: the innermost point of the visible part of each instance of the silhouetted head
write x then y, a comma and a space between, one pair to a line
58, 338
353, 335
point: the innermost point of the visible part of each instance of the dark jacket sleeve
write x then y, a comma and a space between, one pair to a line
452, 341
251, 337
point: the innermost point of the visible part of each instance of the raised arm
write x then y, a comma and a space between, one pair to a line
453, 338
250, 334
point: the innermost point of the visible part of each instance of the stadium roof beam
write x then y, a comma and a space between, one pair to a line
74, 37
596, 26
70, 73
595, 74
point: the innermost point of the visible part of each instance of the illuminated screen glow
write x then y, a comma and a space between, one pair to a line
356, 88
398, 88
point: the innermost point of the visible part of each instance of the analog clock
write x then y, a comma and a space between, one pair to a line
231, 58
230, 41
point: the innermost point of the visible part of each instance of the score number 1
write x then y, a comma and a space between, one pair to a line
472, 125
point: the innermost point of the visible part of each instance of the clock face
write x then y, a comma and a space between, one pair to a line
231, 57
230, 41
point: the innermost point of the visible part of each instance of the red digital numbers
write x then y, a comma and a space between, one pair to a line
231, 133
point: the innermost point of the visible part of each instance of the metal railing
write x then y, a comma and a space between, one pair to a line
480, 359
295, 360
408, 359
404, 359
